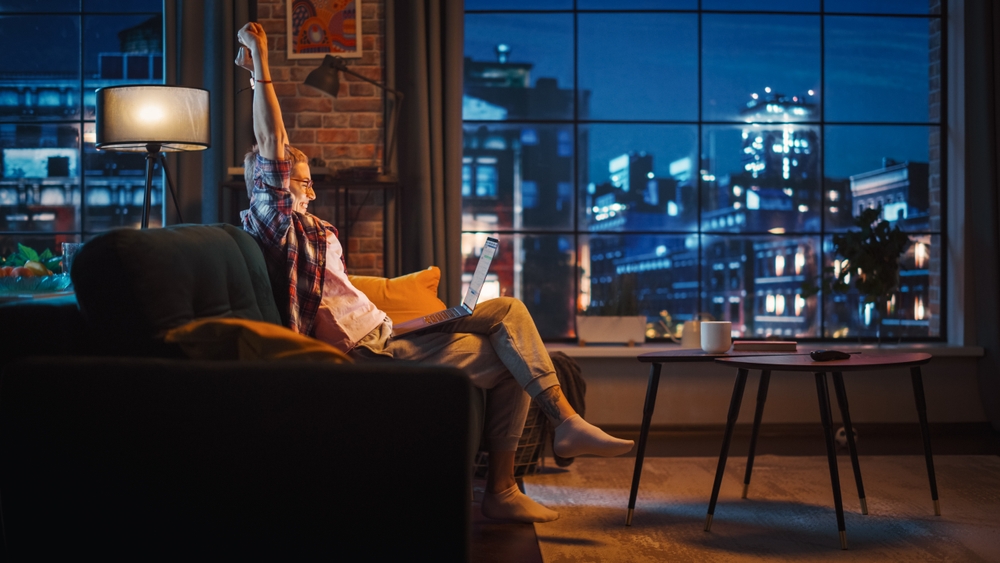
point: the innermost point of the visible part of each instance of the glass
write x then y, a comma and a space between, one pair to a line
651, 73
638, 177
518, 66
883, 61
638, 5
114, 189
761, 178
120, 50
913, 311
887, 166
884, 6
749, 61
40, 185
762, 5
119, 6
46, 84
537, 269
658, 274
517, 177
51, 6
756, 283
518, 5
69, 250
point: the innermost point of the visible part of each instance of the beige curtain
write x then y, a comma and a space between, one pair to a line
200, 41
424, 48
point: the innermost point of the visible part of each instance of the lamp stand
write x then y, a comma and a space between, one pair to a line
152, 155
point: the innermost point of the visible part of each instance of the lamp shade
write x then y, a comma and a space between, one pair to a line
171, 118
325, 77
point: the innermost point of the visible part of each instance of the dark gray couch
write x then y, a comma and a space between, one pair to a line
113, 444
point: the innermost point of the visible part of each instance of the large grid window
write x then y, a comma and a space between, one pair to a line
699, 156
54, 186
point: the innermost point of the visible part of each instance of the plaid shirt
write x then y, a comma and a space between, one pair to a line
297, 240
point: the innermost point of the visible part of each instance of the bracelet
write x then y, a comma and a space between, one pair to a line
262, 81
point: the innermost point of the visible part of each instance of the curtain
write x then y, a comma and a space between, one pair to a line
424, 49
200, 44
982, 120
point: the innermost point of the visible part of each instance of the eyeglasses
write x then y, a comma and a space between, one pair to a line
307, 184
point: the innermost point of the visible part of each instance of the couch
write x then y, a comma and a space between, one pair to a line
119, 442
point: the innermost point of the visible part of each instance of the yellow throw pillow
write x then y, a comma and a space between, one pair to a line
243, 339
405, 297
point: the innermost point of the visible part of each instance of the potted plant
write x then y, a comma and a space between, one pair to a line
615, 319
870, 263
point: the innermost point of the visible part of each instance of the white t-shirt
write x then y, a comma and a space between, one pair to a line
345, 315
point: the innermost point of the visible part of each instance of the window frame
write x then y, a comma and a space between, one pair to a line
950, 256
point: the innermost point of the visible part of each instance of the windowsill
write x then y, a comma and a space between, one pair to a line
936, 349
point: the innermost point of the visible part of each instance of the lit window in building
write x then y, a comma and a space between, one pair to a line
834, 195
779, 265
918, 308
920, 255
800, 305
466, 180
486, 181
779, 305
769, 303
800, 262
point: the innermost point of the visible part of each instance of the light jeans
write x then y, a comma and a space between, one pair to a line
497, 346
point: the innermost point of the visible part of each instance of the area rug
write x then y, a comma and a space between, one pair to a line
788, 515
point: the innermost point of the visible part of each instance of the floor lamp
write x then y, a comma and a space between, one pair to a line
153, 119
326, 79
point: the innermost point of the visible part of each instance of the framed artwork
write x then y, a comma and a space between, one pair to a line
317, 28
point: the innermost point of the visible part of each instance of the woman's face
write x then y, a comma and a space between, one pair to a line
301, 187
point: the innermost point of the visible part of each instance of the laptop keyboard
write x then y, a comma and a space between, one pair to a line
441, 316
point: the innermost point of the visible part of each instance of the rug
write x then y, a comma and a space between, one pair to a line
788, 515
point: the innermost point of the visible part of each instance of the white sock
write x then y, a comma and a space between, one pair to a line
575, 436
512, 504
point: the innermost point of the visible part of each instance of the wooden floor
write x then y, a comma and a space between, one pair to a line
502, 542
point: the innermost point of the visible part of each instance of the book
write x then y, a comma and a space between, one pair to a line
764, 346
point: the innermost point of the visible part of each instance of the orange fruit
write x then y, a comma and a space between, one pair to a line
5, 271
21, 271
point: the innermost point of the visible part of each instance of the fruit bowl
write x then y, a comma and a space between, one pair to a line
34, 284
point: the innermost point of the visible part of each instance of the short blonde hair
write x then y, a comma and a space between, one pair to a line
250, 163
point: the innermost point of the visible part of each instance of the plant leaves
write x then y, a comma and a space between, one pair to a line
27, 252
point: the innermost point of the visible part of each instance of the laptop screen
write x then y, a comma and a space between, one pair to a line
479, 278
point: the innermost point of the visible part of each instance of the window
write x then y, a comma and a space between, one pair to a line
54, 186
705, 153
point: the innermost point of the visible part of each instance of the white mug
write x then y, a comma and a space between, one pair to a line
716, 336
691, 334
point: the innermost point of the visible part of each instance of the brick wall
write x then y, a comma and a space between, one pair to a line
336, 133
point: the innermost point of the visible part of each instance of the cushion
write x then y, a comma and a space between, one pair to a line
243, 339
405, 297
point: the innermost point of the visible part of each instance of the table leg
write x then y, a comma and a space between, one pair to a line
918, 394
640, 452
765, 379
734, 412
831, 453
845, 414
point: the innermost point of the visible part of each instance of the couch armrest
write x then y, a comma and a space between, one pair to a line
158, 459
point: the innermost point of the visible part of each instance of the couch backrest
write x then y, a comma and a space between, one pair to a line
134, 285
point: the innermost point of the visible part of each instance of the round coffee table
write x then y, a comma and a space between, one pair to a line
868, 361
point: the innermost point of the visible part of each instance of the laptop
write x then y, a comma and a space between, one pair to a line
468, 304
